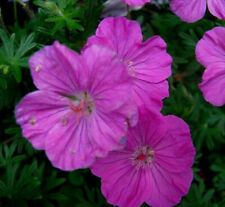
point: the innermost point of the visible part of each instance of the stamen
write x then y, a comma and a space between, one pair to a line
38, 68
32, 121
131, 68
129, 63
84, 108
142, 157
79, 110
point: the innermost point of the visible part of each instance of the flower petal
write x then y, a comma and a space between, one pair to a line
150, 65
57, 68
113, 33
181, 157
68, 146
150, 126
122, 184
167, 189
211, 48
213, 85
108, 131
108, 80
37, 113
150, 60
136, 2
150, 94
189, 10
217, 8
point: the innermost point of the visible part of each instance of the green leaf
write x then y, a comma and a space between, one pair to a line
57, 196
76, 178
72, 24
3, 83
16, 73
26, 44
53, 182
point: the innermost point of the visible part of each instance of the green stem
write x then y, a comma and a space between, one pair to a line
7, 141
128, 12
67, 32
29, 12
15, 13
2, 23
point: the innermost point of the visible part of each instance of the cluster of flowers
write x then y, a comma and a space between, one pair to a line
190, 10
210, 50
101, 109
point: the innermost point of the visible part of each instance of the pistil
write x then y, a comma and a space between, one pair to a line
142, 157
83, 108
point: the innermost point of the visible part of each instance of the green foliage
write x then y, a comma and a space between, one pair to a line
21, 183
63, 13
198, 197
13, 56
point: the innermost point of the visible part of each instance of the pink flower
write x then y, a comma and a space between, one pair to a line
81, 107
210, 52
116, 8
193, 10
148, 63
136, 2
154, 167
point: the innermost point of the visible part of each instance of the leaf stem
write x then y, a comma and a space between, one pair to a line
128, 12
8, 141
2, 23
29, 12
15, 12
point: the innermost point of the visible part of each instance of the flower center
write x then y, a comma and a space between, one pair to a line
81, 105
130, 67
142, 157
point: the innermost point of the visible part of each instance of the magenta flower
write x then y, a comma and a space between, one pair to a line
154, 167
193, 10
136, 2
148, 63
210, 52
116, 8
81, 107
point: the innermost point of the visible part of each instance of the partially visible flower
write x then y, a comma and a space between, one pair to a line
24, 1
210, 52
136, 2
193, 10
148, 63
81, 109
116, 8
159, 2
154, 167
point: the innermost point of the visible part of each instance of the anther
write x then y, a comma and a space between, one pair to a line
32, 121
38, 68
82, 106
64, 121
142, 157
